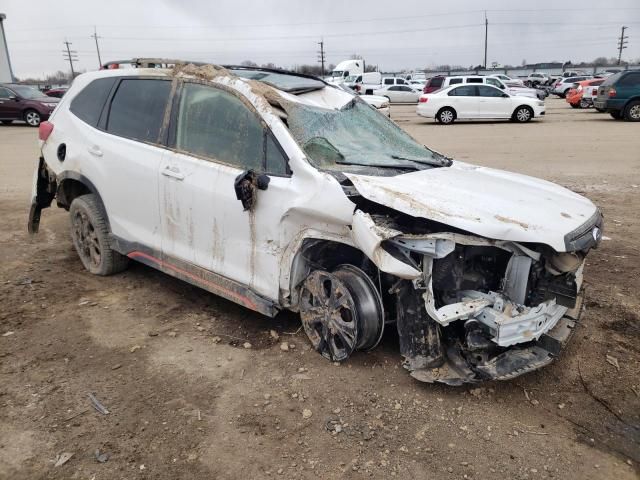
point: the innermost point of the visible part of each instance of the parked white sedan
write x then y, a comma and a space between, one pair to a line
477, 102
398, 93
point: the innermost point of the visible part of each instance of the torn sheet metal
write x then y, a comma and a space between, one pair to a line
464, 196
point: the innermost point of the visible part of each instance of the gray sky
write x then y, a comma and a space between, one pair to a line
393, 35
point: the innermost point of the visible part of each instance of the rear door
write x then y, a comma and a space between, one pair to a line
9, 106
129, 151
464, 100
628, 85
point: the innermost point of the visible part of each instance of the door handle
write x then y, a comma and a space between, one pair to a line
172, 172
95, 151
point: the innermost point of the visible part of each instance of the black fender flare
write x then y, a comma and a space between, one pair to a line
78, 177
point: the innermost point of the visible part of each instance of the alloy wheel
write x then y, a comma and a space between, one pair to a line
523, 114
634, 112
32, 118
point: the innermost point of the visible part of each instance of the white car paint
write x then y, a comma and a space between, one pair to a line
476, 107
186, 208
398, 93
507, 80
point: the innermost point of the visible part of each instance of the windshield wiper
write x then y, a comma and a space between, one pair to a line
438, 162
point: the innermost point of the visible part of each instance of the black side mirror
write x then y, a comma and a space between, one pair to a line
247, 185
504, 95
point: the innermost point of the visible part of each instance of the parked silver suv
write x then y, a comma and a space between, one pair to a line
278, 191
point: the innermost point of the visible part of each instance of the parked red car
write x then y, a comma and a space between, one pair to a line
56, 92
433, 84
584, 94
22, 102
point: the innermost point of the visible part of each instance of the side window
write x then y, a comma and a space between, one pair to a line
494, 82
359, 79
216, 124
88, 104
436, 82
486, 91
453, 81
464, 91
401, 81
405, 88
395, 88
137, 109
475, 80
4, 93
630, 80
276, 161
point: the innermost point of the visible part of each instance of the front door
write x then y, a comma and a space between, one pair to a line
492, 103
464, 100
216, 140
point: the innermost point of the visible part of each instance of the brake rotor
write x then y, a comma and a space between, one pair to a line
329, 315
369, 309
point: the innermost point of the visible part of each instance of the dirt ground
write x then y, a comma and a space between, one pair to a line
187, 400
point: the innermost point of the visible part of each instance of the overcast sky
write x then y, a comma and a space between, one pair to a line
391, 34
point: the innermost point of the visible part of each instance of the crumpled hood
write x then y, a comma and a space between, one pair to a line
491, 203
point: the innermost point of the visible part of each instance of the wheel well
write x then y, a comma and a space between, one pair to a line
70, 189
455, 114
319, 254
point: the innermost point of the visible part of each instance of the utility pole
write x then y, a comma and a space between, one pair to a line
72, 56
321, 58
96, 37
486, 32
622, 43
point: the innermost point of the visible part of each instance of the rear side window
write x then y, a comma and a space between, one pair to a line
464, 91
475, 80
137, 109
388, 81
88, 104
453, 81
630, 80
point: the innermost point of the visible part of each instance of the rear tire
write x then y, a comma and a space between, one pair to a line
446, 115
632, 111
32, 117
522, 114
584, 104
7, 122
90, 236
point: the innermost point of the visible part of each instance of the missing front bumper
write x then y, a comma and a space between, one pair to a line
511, 363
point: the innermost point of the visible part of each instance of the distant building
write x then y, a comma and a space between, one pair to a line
6, 74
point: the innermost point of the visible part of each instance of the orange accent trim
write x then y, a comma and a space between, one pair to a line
215, 286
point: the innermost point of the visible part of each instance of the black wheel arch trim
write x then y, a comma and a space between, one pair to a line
71, 175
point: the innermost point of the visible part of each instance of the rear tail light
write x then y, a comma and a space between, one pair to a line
612, 92
45, 130
423, 99
594, 91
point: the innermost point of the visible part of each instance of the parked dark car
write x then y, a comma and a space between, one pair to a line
56, 92
620, 96
433, 84
22, 102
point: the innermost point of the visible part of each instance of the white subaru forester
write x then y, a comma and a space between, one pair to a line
278, 191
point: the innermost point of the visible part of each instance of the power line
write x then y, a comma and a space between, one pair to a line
622, 43
71, 55
96, 37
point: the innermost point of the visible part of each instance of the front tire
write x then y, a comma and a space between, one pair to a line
632, 112
584, 104
616, 114
523, 114
90, 237
32, 117
446, 116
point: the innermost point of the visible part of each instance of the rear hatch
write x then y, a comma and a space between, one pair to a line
607, 85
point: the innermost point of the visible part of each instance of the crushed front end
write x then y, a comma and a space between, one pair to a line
485, 309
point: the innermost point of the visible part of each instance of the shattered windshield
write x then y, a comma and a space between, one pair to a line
356, 135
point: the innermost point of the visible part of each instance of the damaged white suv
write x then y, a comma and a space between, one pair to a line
279, 191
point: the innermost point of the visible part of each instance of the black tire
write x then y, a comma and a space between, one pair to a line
584, 104
632, 111
616, 114
446, 115
90, 237
7, 122
522, 114
575, 105
32, 117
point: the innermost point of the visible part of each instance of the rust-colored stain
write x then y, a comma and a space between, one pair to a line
511, 220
